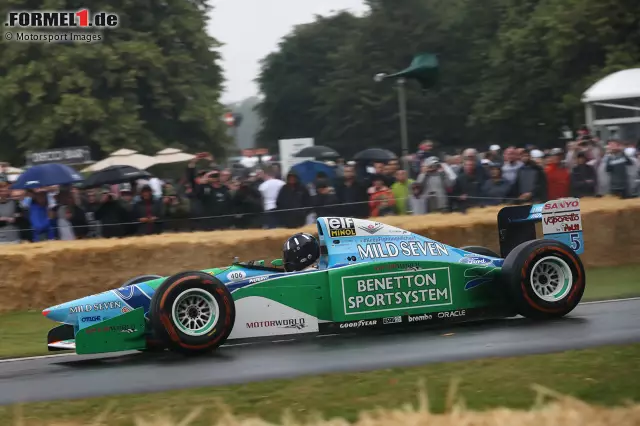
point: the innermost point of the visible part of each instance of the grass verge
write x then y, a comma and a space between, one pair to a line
565, 411
605, 376
24, 333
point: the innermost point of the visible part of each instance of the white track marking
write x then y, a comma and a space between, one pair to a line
29, 358
595, 302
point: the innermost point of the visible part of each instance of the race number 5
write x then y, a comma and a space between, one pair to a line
575, 241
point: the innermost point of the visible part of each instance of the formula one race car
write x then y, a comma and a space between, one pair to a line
368, 275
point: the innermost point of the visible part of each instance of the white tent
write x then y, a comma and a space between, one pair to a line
13, 173
123, 157
12, 170
172, 155
619, 85
614, 100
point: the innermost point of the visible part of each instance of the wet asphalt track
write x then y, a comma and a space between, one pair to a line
68, 377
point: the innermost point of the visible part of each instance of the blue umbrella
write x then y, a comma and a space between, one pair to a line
307, 171
47, 175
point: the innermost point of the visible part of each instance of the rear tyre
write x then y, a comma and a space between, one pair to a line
192, 313
545, 279
482, 251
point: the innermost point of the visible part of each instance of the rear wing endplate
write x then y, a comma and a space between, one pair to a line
561, 221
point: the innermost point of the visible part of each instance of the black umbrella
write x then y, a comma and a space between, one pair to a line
115, 174
319, 152
375, 154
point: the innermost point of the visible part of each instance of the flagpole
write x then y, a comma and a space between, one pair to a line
402, 108
404, 134
423, 68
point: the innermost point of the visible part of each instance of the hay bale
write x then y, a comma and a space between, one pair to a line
34, 276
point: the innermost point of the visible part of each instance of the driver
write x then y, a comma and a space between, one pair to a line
300, 252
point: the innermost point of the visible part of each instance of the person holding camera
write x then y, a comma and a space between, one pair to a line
585, 145
112, 215
617, 164
434, 184
10, 214
176, 209
212, 198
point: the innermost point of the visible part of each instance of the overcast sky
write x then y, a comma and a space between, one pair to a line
251, 29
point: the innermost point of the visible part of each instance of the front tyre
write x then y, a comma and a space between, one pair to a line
545, 279
140, 279
192, 313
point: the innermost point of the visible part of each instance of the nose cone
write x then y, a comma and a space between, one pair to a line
104, 305
58, 313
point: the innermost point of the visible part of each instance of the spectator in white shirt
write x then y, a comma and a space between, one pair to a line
269, 189
511, 165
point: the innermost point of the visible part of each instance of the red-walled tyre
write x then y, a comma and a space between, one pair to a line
192, 313
140, 279
545, 279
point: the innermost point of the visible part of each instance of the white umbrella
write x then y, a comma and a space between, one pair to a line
172, 155
123, 157
123, 152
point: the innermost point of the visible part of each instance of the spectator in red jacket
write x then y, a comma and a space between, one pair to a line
381, 200
558, 176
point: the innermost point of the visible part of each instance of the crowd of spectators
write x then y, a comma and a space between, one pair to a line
213, 198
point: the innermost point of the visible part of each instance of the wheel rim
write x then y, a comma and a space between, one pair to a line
551, 279
195, 312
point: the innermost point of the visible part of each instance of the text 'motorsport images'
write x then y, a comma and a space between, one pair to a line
357, 275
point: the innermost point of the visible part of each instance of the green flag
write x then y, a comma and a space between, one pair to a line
423, 68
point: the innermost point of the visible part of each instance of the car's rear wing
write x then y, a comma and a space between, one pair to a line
561, 221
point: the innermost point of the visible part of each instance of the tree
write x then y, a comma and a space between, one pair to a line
246, 133
351, 112
360, 113
544, 59
152, 82
288, 77
511, 71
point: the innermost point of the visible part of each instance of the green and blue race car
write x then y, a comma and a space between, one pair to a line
369, 275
